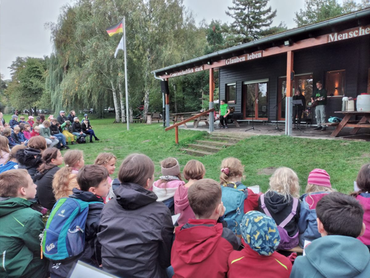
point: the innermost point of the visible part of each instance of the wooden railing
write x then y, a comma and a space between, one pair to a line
176, 126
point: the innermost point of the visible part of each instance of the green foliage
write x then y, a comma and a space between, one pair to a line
319, 10
252, 20
215, 37
83, 72
27, 86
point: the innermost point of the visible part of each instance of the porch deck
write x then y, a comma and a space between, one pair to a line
306, 131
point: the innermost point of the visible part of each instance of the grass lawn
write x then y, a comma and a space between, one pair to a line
341, 159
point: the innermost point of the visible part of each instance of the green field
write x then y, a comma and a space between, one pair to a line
341, 159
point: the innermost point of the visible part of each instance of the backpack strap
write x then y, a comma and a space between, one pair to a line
291, 214
263, 205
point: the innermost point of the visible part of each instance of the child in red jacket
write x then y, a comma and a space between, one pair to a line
202, 246
259, 258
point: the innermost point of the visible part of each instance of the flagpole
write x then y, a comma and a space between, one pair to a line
126, 86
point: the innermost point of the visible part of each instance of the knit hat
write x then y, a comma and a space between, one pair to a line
319, 177
14, 117
30, 117
173, 171
61, 111
260, 232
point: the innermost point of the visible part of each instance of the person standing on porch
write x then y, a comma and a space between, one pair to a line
319, 96
224, 112
299, 105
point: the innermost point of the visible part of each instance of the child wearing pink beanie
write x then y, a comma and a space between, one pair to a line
318, 185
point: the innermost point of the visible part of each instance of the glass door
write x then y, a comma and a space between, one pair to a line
303, 82
255, 97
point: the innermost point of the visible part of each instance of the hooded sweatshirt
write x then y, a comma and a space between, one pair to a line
275, 265
135, 233
333, 256
201, 249
166, 190
279, 208
364, 199
29, 159
182, 205
44, 181
19, 239
307, 220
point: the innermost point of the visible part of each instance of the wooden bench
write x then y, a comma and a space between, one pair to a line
156, 116
200, 119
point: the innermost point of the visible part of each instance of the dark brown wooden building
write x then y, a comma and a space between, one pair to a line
257, 77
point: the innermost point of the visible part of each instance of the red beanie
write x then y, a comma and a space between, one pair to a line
319, 177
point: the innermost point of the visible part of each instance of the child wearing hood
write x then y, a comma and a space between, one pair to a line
280, 202
202, 246
168, 183
337, 253
194, 170
260, 238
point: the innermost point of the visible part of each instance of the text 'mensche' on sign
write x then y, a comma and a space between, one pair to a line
349, 34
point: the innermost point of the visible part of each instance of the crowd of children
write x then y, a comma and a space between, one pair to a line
58, 132
218, 228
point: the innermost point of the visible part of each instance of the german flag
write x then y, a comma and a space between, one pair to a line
115, 29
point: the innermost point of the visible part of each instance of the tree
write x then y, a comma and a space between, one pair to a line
252, 19
28, 82
319, 10
215, 37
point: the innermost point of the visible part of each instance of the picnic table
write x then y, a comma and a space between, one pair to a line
179, 117
364, 122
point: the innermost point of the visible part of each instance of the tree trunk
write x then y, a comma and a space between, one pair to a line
146, 104
123, 115
131, 115
116, 107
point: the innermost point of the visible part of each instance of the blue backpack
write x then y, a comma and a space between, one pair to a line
233, 200
64, 234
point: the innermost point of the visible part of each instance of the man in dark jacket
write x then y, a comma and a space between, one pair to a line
62, 117
92, 180
20, 227
202, 246
136, 231
71, 116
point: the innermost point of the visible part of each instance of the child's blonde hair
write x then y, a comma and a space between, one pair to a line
311, 188
16, 128
7, 131
285, 182
194, 170
231, 168
72, 157
104, 158
63, 182
4, 146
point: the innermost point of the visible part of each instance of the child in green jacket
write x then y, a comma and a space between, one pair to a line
20, 252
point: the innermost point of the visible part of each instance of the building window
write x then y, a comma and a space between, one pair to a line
335, 82
231, 93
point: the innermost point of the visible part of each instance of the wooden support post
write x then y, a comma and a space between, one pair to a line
211, 99
177, 135
289, 83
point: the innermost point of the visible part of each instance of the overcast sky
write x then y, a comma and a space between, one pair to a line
23, 32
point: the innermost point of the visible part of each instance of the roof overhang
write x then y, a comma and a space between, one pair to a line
344, 27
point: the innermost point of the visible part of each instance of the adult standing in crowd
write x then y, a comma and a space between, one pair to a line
319, 97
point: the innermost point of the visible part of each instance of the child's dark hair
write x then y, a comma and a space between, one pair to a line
204, 196
91, 176
136, 168
47, 156
363, 180
22, 127
340, 214
194, 170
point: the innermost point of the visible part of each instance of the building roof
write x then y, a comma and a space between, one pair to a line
336, 24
